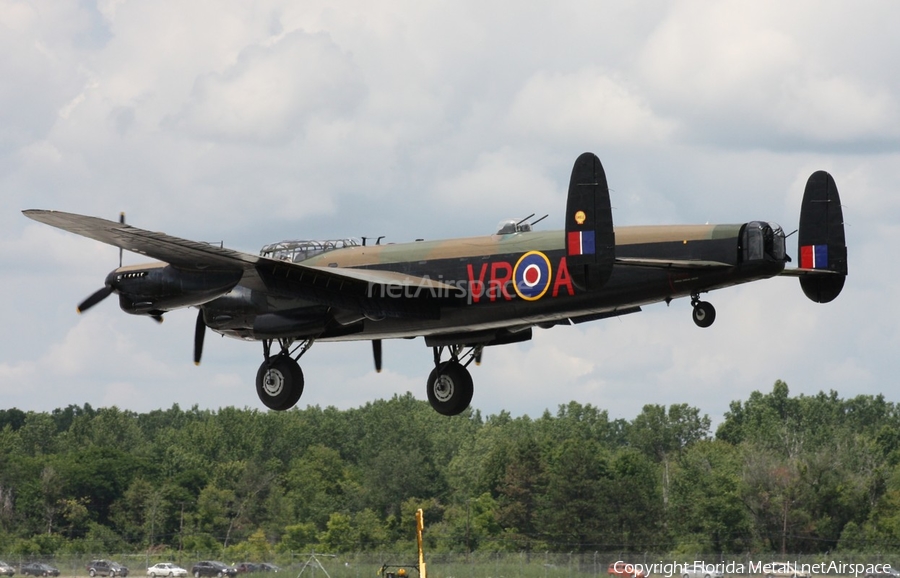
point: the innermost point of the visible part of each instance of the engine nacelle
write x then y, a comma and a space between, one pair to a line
153, 289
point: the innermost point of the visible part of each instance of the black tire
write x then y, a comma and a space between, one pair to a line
450, 388
704, 314
279, 383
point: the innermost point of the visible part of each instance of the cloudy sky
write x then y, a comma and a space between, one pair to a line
249, 123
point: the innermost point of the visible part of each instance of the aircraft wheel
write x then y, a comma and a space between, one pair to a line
450, 388
704, 314
279, 382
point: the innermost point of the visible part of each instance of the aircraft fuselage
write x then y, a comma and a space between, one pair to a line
488, 282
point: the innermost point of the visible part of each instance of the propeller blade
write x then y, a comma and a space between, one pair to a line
199, 333
97, 297
121, 222
376, 353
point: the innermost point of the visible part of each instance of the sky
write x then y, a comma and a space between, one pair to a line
252, 122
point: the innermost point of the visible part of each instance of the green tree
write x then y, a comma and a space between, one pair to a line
706, 511
572, 510
337, 536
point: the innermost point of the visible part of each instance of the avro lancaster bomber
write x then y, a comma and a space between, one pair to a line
460, 295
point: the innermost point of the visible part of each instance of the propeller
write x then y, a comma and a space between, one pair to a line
121, 222
95, 298
376, 353
199, 333
107, 289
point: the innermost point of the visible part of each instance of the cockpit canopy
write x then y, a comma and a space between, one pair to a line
510, 226
296, 251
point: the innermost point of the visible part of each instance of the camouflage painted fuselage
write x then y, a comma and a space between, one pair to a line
495, 282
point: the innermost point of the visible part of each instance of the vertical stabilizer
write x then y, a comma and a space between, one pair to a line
821, 243
590, 239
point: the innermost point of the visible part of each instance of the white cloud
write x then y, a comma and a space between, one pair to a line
496, 178
272, 92
760, 74
585, 106
245, 123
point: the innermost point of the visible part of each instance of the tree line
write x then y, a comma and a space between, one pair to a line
780, 474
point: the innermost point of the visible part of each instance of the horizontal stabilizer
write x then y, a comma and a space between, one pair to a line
821, 244
673, 263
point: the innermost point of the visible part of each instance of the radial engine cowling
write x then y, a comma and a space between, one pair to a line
155, 289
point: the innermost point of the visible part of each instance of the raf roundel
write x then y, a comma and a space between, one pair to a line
531, 275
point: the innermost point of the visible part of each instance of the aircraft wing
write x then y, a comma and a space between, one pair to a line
173, 250
672, 263
342, 287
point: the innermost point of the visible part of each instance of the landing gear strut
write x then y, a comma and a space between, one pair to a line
704, 313
450, 386
279, 381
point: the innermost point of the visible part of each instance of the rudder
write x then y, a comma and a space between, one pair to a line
820, 241
590, 239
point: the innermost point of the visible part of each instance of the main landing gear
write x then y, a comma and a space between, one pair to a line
704, 313
279, 381
450, 386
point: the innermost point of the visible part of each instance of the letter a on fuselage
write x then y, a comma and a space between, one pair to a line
590, 239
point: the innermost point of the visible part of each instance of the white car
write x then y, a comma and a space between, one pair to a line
166, 569
783, 570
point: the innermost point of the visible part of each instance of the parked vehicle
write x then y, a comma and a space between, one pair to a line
38, 569
697, 572
245, 567
625, 570
166, 569
892, 573
266, 567
6, 569
105, 568
212, 568
783, 570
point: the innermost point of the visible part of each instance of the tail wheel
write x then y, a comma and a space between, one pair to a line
704, 314
279, 382
450, 388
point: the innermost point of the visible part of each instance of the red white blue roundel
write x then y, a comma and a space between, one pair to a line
531, 275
